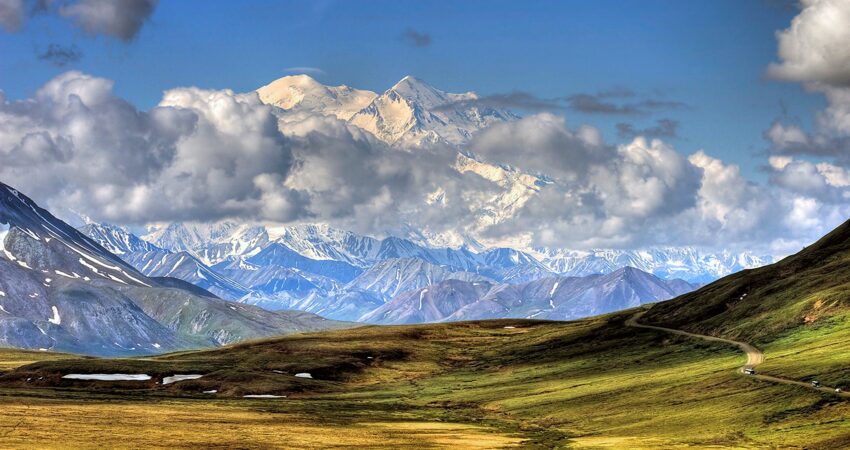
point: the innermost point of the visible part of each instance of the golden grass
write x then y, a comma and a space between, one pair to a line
12, 358
29, 423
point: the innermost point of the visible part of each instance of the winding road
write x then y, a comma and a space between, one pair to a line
754, 355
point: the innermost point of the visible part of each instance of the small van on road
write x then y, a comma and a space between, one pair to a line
815, 383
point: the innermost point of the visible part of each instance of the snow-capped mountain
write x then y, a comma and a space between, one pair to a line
413, 112
351, 277
156, 262
303, 93
687, 263
555, 298
390, 277
212, 243
410, 113
61, 290
116, 239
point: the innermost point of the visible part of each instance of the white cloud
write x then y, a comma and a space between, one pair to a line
542, 143
779, 162
815, 46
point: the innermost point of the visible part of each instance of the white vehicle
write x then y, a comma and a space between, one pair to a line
837, 390
815, 383
750, 371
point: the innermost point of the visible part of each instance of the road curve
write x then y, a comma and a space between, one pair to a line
754, 355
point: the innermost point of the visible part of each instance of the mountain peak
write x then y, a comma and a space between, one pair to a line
418, 91
410, 80
304, 92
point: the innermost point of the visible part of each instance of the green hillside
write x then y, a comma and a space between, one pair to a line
797, 311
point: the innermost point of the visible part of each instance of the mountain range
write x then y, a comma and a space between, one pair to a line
344, 276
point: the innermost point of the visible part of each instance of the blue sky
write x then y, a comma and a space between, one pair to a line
709, 55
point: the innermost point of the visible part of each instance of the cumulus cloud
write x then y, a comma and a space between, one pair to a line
600, 195
196, 155
645, 193
543, 144
828, 183
830, 136
814, 48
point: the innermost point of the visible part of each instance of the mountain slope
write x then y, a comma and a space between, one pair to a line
555, 298
391, 277
60, 290
153, 261
413, 112
802, 290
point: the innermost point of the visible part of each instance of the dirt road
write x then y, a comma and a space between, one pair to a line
754, 355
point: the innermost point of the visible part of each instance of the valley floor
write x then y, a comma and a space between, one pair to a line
593, 383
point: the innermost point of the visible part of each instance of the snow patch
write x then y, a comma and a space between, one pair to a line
60, 273
4, 230
176, 378
56, 320
107, 377
263, 396
303, 375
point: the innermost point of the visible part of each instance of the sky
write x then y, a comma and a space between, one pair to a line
707, 77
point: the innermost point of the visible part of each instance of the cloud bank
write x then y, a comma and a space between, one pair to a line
206, 155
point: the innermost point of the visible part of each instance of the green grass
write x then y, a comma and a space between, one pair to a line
785, 298
587, 384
